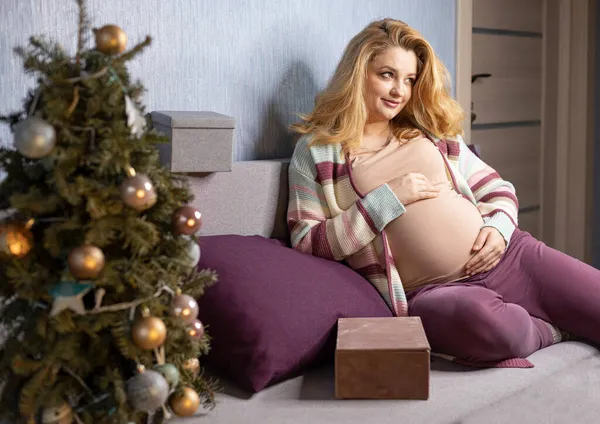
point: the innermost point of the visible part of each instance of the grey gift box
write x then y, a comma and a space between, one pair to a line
199, 141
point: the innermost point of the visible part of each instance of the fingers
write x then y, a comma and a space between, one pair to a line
483, 261
419, 179
480, 266
476, 261
480, 240
432, 188
493, 264
489, 264
482, 253
425, 185
416, 175
428, 194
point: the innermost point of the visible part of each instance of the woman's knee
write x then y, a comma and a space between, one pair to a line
473, 327
451, 306
506, 335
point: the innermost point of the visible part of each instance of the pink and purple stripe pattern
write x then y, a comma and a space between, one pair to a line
328, 218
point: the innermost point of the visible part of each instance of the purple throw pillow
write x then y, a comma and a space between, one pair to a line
274, 311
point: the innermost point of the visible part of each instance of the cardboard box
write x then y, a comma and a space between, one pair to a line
382, 358
199, 141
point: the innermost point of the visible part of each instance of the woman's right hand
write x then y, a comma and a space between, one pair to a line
413, 187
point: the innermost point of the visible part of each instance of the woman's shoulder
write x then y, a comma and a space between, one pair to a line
307, 156
452, 144
303, 143
317, 151
456, 138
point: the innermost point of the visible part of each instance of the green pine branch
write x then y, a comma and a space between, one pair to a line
83, 28
200, 281
135, 51
74, 198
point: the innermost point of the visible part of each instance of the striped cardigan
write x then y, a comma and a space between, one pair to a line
327, 217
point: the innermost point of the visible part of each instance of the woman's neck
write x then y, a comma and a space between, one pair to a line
376, 134
376, 129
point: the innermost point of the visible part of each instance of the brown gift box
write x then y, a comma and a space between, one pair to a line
381, 358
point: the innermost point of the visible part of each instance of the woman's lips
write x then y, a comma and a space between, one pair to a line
390, 103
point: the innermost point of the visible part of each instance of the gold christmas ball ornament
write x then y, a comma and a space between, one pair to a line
34, 138
138, 192
185, 307
86, 262
62, 414
185, 402
110, 40
187, 220
15, 240
148, 332
192, 365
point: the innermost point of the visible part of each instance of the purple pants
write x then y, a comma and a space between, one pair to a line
500, 314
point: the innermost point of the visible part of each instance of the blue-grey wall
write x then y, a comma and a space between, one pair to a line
260, 61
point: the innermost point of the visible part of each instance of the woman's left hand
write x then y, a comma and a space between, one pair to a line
490, 246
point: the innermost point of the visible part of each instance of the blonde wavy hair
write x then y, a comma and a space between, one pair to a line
340, 112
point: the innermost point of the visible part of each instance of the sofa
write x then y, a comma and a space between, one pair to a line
562, 386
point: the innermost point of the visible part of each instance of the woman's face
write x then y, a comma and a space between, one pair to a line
390, 79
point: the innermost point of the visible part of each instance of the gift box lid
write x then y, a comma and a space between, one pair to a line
192, 119
397, 333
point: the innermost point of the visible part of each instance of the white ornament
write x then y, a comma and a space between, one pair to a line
193, 253
135, 120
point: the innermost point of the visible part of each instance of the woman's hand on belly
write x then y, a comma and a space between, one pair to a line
490, 246
412, 187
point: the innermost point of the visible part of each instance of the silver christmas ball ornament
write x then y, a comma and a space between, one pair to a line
147, 391
185, 307
34, 138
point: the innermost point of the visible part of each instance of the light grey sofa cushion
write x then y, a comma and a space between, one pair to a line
249, 200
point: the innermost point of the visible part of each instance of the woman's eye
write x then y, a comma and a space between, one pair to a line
387, 75
411, 80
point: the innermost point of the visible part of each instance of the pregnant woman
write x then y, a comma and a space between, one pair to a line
382, 179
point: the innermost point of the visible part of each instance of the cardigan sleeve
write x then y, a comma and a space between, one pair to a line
312, 227
495, 198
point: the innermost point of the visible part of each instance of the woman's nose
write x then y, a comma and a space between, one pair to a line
398, 90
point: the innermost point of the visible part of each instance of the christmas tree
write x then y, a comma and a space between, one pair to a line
98, 251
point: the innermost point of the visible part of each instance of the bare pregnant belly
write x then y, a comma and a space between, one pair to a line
433, 240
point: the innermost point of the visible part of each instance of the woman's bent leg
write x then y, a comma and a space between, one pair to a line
550, 285
473, 323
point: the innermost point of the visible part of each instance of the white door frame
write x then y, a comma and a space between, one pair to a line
567, 124
464, 48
